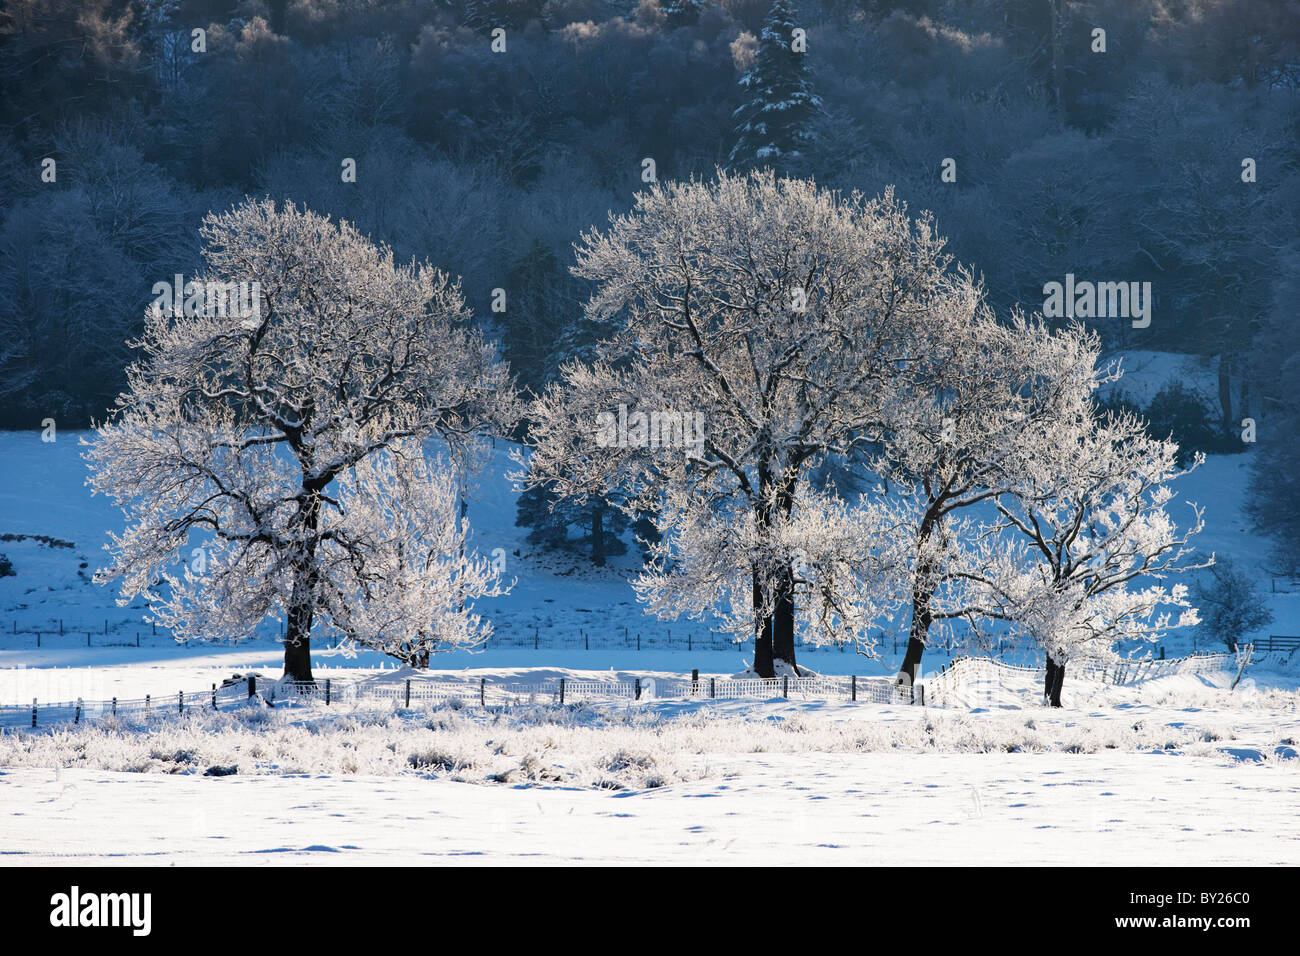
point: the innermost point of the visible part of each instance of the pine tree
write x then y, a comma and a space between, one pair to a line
682, 13
551, 518
777, 117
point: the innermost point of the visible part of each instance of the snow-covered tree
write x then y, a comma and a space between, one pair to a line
283, 437
1091, 543
776, 120
781, 317
397, 574
1230, 603
682, 13
988, 389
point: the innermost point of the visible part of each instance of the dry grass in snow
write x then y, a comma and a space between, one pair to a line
607, 747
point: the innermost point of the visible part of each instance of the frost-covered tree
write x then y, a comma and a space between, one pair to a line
966, 438
776, 120
284, 436
1230, 603
398, 575
781, 317
682, 13
1091, 542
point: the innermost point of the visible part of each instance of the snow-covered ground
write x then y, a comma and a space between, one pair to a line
1183, 769
1180, 770
891, 808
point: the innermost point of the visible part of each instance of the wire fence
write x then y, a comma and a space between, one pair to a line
881, 690
943, 689
118, 633
413, 692
954, 681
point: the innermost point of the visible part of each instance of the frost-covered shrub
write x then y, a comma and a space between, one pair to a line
1182, 414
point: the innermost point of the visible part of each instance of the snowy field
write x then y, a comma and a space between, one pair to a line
927, 809
1182, 769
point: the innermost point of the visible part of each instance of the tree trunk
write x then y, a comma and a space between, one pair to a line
1052, 682
1225, 393
911, 662
782, 583
783, 620
922, 591
1056, 46
297, 645
598, 536
763, 664
302, 602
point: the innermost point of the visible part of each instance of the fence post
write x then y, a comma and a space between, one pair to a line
921, 691
695, 681
586, 641
561, 691
146, 706
214, 696
327, 692
33, 711
854, 686
180, 702
785, 685
482, 691
252, 684
76, 718
638, 688
408, 692
114, 707
690, 641
638, 642
712, 688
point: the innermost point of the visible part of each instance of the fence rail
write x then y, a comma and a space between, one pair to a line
1277, 642
416, 691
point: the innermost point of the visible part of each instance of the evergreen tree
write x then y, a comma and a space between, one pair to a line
552, 518
682, 13
777, 116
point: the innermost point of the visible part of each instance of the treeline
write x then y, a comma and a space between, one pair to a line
1039, 154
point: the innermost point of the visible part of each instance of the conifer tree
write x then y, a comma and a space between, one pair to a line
780, 107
